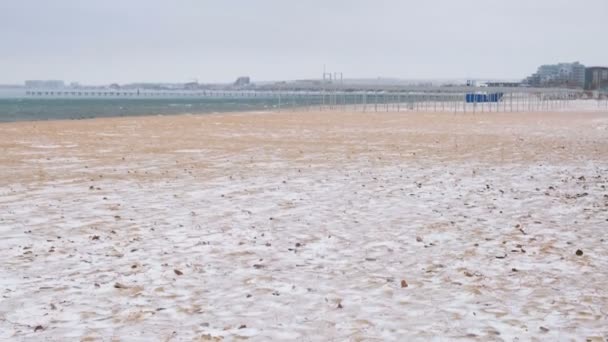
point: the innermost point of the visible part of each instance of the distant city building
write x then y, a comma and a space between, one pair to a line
191, 85
471, 83
114, 86
504, 84
46, 84
596, 78
571, 75
242, 81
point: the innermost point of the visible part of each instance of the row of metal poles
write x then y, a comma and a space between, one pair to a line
390, 102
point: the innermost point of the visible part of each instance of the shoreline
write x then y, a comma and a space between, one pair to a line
29, 110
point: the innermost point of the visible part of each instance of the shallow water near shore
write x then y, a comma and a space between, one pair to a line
61, 109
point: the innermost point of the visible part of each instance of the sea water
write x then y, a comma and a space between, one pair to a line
61, 109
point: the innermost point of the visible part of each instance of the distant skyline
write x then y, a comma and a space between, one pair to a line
101, 42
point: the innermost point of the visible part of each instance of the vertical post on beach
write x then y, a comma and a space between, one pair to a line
451, 102
423, 102
336, 101
376, 101
383, 103
399, 102
461, 98
474, 103
363, 101
503, 99
520, 102
335, 98
464, 103
545, 101
386, 100
322, 102
394, 104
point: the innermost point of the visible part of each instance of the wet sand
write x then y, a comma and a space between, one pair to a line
306, 226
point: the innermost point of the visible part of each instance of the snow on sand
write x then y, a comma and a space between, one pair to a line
306, 226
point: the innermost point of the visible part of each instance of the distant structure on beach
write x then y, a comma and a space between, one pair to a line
242, 81
504, 84
571, 75
46, 84
476, 83
191, 85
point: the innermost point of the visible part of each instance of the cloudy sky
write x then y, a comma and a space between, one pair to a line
214, 41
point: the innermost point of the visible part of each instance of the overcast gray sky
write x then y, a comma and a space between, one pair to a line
161, 40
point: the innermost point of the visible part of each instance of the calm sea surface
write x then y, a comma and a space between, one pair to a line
58, 109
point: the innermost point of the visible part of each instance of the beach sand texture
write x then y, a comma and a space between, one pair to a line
306, 226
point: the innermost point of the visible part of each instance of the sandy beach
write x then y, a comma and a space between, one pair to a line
306, 226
